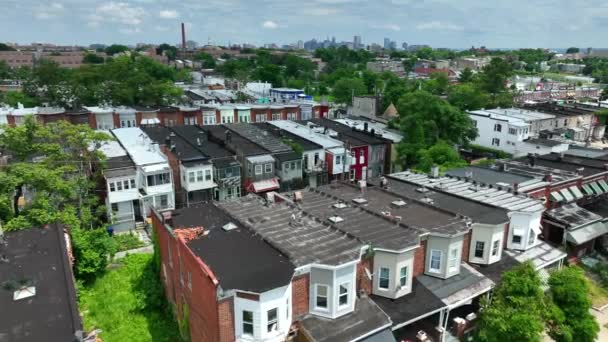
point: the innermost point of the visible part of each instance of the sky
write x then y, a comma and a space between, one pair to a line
439, 23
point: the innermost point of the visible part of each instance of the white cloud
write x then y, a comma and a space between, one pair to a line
117, 12
269, 24
160, 28
49, 11
439, 26
391, 27
168, 14
129, 30
320, 11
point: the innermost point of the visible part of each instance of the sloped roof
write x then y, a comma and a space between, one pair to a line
391, 111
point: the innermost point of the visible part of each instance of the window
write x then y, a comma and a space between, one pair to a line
299, 164
273, 320
158, 179
495, 246
132, 183
321, 297
258, 169
276, 116
512, 131
247, 323
531, 238
403, 276
498, 128
125, 184
286, 166
435, 265
495, 142
384, 278
260, 117
453, 262
114, 207
516, 239
112, 187
190, 177
479, 246
199, 176
338, 160
292, 165
209, 119
119, 185
343, 295
207, 175
268, 168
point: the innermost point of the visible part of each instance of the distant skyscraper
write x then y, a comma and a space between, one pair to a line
357, 43
300, 44
387, 43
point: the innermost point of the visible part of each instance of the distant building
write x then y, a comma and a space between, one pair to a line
387, 43
357, 43
394, 66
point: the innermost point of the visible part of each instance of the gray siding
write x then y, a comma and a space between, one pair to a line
394, 262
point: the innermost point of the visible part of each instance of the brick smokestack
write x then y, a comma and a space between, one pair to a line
183, 36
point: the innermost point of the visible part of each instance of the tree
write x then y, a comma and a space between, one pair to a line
92, 58
569, 291
468, 97
441, 154
116, 48
5, 71
4, 47
269, 73
466, 75
438, 83
13, 98
494, 76
517, 310
169, 51
346, 88
206, 59
573, 50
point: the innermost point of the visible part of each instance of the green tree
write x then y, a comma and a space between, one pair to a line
92, 58
5, 71
573, 50
569, 292
440, 154
269, 73
4, 47
437, 84
468, 97
169, 51
494, 76
517, 310
116, 48
13, 98
206, 59
466, 75
346, 88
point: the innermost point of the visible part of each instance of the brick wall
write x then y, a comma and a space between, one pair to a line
419, 259
116, 120
92, 121
466, 245
363, 282
300, 287
225, 311
505, 237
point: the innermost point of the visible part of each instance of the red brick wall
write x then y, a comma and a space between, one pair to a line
138, 117
201, 300
505, 237
300, 287
466, 245
419, 259
92, 121
116, 119
225, 311
363, 282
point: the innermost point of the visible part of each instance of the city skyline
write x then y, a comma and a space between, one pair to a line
438, 23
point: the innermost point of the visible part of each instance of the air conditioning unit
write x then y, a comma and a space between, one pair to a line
340, 205
359, 200
398, 203
336, 219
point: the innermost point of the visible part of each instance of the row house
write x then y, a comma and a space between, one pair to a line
556, 94
247, 113
575, 121
153, 177
335, 159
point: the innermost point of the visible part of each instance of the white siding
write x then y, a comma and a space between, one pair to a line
276, 298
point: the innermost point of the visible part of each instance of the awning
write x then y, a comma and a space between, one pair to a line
588, 190
567, 195
587, 233
596, 188
556, 197
576, 192
264, 185
603, 185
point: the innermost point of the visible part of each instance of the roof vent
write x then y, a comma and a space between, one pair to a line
336, 219
229, 226
399, 203
427, 200
339, 205
422, 190
360, 200
24, 292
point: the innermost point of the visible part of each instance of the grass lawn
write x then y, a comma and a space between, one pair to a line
127, 303
127, 241
599, 295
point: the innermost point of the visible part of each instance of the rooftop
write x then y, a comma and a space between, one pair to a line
138, 146
260, 137
541, 255
579, 151
367, 318
587, 166
490, 176
238, 258
184, 151
192, 134
307, 133
281, 134
513, 114
378, 127
453, 290
238, 144
304, 239
572, 216
354, 134
38, 257
494, 271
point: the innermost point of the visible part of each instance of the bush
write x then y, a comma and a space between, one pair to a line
91, 250
496, 154
125, 242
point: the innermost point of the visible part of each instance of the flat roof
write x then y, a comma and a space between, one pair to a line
367, 318
421, 301
579, 151
38, 257
354, 134
139, 146
242, 146
255, 135
572, 216
239, 259
303, 238
112, 148
479, 212
568, 163
466, 284
541, 255
282, 134
192, 134
482, 193
495, 270
184, 151
515, 113
307, 133
489, 176
378, 127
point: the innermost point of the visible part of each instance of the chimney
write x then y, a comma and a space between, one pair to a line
561, 156
434, 171
504, 167
580, 170
183, 36
167, 141
515, 188
365, 126
532, 159
548, 177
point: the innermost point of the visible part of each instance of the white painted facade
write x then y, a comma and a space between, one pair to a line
524, 229
332, 290
486, 243
263, 330
393, 273
199, 177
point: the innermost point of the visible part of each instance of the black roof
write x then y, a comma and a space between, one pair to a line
238, 145
184, 151
288, 156
477, 211
489, 176
420, 301
119, 162
572, 216
193, 134
145, 109
495, 271
349, 134
307, 145
238, 258
262, 138
38, 257
568, 163
544, 142
365, 319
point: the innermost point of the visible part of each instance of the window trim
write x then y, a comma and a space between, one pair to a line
403, 277
495, 247
388, 278
454, 259
274, 321
431, 269
250, 323
346, 285
256, 170
268, 168
483, 249
317, 307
